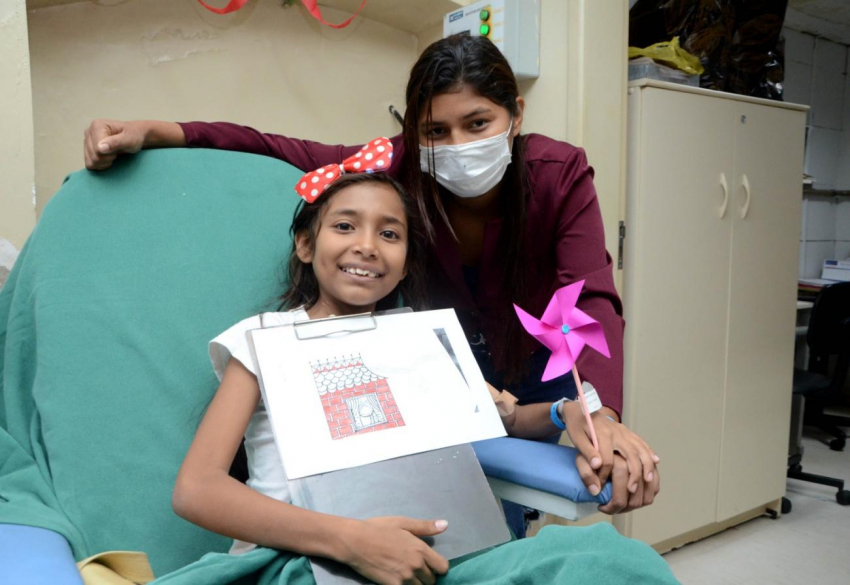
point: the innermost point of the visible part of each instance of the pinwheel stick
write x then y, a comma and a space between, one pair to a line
585, 409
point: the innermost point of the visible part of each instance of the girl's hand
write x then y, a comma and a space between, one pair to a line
388, 550
622, 456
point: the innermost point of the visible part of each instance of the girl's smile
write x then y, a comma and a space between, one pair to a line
361, 272
359, 249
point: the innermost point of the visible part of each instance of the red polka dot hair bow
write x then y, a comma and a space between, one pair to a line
374, 156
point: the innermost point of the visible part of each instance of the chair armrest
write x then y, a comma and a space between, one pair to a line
36, 556
538, 475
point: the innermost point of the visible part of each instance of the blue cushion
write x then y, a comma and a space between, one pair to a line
542, 466
36, 556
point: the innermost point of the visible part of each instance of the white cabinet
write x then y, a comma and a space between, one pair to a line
712, 216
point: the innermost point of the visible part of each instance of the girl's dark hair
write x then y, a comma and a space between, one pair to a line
447, 66
302, 287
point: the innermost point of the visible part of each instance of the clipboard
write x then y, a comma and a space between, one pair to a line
444, 483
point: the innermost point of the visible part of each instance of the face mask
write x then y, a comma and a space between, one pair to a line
471, 169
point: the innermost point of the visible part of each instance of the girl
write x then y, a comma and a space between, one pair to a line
511, 218
356, 248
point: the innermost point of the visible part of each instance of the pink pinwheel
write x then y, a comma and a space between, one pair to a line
566, 330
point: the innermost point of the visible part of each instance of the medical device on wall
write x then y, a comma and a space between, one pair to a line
512, 25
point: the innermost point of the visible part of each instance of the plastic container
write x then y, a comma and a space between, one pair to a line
644, 67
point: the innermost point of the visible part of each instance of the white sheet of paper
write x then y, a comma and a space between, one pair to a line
442, 403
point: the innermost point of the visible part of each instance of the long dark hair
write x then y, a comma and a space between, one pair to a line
302, 287
447, 66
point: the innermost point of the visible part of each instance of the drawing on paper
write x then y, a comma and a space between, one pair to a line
355, 399
447, 345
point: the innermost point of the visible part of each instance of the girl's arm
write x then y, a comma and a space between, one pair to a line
385, 550
528, 421
534, 421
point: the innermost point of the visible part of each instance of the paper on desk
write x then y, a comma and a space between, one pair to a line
341, 402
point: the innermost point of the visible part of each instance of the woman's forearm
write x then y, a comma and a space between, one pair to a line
158, 134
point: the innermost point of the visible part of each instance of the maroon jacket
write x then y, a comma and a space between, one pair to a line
566, 242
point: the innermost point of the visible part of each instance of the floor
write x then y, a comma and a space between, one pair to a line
809, 545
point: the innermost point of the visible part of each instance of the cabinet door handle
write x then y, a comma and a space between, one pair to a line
722, 211
746, 185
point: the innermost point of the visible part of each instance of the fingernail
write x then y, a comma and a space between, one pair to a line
656, 458
633, 488
594, 490
103, 147
595, 462
650, 476
441, 524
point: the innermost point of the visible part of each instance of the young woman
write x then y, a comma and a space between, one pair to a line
512, 218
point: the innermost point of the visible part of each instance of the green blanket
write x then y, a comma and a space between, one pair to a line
104, 373
595, 555
104, 325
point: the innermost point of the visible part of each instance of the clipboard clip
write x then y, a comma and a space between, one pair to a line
334, 326
342, 325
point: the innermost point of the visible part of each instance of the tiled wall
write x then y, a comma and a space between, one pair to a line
816, 75
825, 233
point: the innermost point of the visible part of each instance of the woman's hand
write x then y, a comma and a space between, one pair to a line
106, 139
389, 550
623, 457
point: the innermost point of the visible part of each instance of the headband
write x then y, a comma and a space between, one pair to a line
374, 156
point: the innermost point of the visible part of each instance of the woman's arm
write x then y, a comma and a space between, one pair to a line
580, 252
382, 549
305, 155
106, 139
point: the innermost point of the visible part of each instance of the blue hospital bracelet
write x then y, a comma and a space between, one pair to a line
553, 414
556, 420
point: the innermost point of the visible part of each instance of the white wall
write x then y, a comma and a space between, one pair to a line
266, 66
816, 74
17, 211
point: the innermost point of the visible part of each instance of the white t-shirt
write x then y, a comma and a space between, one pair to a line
265, 471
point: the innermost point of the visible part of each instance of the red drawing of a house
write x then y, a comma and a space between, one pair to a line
355, 400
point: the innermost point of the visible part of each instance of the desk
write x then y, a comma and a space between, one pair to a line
803, 308
801, 350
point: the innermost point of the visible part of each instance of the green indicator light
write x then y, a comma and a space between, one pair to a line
484, 15
484, 29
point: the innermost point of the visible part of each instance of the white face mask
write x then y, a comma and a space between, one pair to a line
471, 169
